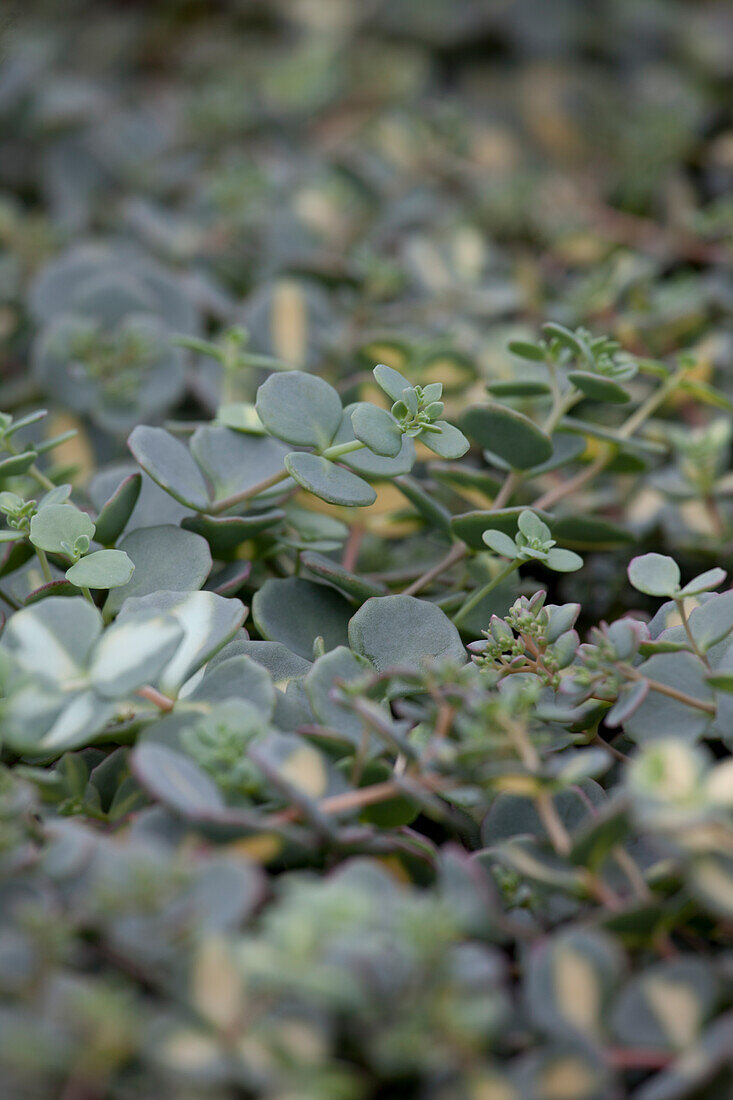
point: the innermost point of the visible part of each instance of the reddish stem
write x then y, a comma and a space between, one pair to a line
157, 697
352, 547
629, 1058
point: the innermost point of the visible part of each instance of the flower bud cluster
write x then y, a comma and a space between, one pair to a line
533, 637
418, 408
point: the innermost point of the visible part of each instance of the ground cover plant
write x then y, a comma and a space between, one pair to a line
366, 662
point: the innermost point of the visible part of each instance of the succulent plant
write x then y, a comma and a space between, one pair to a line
366, 642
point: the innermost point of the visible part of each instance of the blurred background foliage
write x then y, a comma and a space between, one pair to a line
388, 180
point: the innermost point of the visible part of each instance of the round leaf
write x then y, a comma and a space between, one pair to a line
525, 350
564, 561
531, 526
57, 525
377, 430
589, 533
566, 447
500, 543
237, 677
165, 558
450, 443
175, 780
300, 408
170, 464
101, 569
234, 462
518, 387
53, 639
712, 620
282, 664
510, 434
328, 481
17, 464
569, 979
401, 631
351, 584
665, 1007
391, 381
662, 716
296, 612
338, 665
225, 534
371, 465
568, 339
208, 621
598, 388
704, 582
470, 526
133, 653
655, 575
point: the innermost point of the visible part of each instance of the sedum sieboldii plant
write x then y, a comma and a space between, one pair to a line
231, 678
366, 629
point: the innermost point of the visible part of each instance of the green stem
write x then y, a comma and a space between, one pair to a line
339, 449
626, 430
41, 555
680, 602
561, 406
41, 478
88, 596
481, 592
652, 402
247, 494
267, 483
231, 391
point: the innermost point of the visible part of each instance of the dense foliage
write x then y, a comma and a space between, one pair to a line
367, 657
